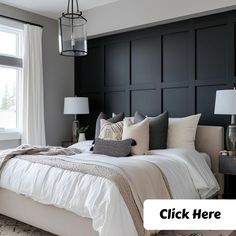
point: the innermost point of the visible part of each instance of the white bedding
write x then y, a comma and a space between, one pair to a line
97, 198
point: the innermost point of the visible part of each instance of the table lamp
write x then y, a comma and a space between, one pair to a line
76, 106
225, 104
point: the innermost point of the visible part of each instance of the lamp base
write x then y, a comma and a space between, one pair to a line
231, 138
75, 126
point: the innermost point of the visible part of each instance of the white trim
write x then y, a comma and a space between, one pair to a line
10, 135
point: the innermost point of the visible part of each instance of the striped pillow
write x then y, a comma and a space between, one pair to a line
111, 131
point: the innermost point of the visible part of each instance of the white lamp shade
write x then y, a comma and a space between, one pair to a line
225, 103
76, 105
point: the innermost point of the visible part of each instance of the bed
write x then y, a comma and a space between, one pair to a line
209, 139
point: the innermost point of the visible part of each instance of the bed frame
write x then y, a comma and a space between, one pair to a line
209, 139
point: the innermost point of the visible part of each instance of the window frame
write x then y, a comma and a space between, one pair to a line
15, 62
10, 60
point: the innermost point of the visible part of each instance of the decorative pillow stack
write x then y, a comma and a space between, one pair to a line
108, 136
149, 133
115, 130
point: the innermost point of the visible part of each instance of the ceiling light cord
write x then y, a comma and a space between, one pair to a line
71, 2
68, 6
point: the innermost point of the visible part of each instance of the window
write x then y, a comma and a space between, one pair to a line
10, 77
10, 42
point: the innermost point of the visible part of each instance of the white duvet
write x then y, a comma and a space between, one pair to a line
187, 172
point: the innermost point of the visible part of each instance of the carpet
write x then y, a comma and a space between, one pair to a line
11, 227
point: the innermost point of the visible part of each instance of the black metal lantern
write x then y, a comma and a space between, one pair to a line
72, 31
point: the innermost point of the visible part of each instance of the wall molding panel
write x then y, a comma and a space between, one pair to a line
175, 67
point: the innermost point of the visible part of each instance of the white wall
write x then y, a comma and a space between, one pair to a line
58, 78
131, 14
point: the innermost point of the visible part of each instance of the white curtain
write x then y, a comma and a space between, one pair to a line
33, 96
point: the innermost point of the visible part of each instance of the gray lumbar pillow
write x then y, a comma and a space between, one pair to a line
113, 148
158, 129
115, 119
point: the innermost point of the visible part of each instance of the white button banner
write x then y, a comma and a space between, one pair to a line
190, 214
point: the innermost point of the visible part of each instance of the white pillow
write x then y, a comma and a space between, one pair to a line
83, 146
138, 132
182, 132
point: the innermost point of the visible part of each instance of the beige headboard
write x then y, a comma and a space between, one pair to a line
210, 140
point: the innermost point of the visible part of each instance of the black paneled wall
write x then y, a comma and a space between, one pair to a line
176, 67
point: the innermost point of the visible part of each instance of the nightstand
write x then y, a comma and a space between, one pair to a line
228, 168
66, 144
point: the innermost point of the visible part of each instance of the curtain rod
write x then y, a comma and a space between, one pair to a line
22, 21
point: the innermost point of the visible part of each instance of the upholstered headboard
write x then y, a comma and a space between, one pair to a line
210, 140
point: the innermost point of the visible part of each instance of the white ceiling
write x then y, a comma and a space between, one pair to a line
53, 8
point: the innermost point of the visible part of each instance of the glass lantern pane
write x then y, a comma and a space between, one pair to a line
72, 36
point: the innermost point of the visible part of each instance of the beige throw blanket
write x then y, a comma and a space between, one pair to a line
35, 150
132, 187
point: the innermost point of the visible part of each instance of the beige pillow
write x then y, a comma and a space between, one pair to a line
111, 131
138, 132
182, 132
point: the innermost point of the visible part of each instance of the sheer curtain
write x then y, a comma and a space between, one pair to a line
33, 95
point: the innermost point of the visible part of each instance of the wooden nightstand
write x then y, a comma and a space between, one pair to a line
66, 144
228, 168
